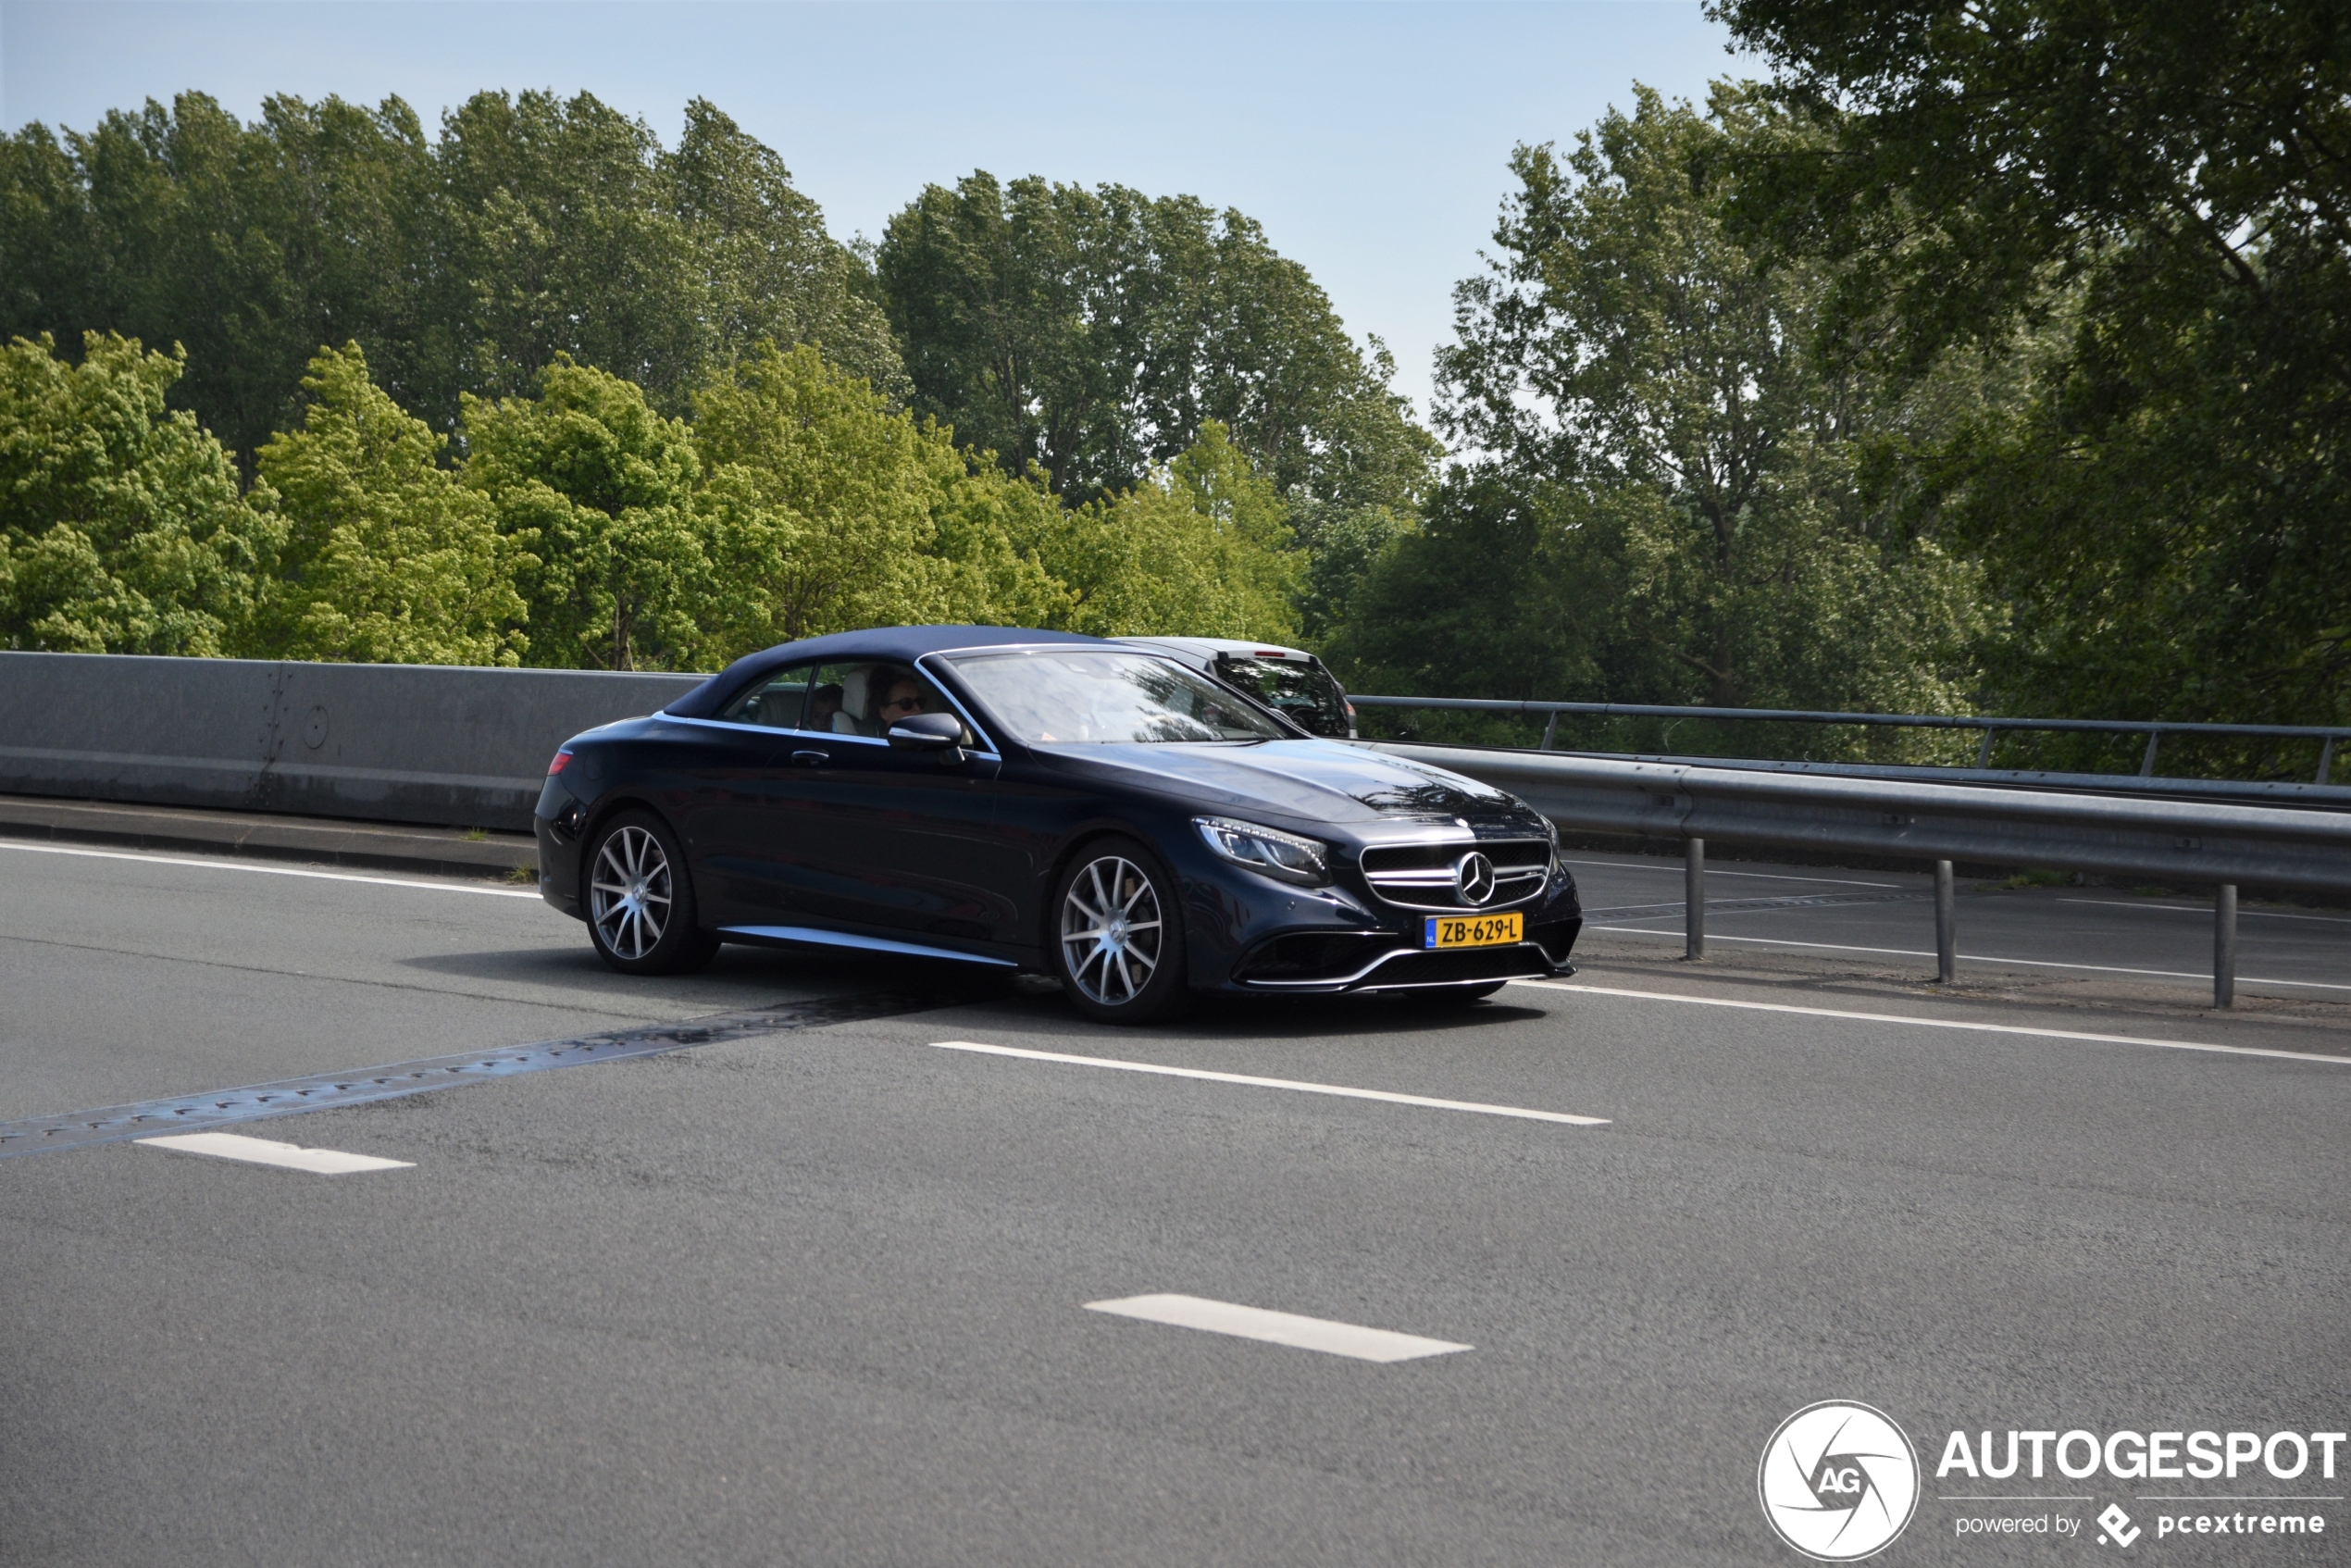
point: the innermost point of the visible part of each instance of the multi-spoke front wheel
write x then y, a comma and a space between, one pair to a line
1119, 939
640, 902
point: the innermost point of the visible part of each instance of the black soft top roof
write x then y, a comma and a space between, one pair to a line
905, 643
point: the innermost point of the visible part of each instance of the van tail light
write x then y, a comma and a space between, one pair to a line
562, 761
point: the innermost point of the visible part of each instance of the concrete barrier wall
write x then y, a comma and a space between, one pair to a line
423, 743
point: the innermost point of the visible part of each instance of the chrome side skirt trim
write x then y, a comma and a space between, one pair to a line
815, 937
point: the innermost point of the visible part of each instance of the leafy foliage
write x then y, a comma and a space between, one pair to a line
1666, 509
1995, 356
1092, 334
121, 528
530, 225
2145, 211
387, 558
1202, 547
601, 491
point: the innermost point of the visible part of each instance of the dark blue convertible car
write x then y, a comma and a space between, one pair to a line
1043, 801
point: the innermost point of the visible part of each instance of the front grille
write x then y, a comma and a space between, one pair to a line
1425, 875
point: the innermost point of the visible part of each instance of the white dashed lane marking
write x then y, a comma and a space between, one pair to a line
1248, 1082
1277, 1328
262, 1152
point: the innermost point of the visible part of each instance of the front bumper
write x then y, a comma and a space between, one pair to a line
1347, 939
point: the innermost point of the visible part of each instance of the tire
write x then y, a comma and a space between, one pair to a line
1118, 934
641, 899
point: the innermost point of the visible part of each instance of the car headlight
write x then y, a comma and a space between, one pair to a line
1285, 857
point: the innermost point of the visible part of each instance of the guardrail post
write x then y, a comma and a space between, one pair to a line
1984, 753
1693, 898
1551, 727
2224, 945
2146, 762
2326, 759
1946, 926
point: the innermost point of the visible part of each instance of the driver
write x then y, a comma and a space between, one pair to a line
902, 696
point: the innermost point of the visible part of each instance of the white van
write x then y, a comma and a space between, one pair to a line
1289, 681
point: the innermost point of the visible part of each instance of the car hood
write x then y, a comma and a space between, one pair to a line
1313, 780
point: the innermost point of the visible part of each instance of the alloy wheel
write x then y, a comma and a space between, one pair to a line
1112, 931
629, 894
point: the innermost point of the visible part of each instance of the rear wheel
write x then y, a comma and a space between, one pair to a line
1119, 936
641, 901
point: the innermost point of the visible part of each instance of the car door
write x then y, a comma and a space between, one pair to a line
857, 832
743, 758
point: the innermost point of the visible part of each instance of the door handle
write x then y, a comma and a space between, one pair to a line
810, 759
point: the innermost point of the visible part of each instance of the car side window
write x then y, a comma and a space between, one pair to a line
836, 699
777, 702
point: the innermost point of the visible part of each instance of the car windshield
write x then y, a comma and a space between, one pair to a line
1059, 696
1305, 694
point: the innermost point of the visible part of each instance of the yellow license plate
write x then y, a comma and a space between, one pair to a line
1474, 930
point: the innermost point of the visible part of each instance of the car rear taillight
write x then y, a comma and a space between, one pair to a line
563, 759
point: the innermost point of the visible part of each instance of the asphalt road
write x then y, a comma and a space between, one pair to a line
819, 1296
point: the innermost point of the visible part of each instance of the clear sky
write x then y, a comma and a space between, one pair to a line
1368, 139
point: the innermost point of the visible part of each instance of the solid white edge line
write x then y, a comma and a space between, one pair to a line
1964, 958
1324, 1333
1344, 1094
2206, 910
268, 1151
1672, 870
225, 864
1936, 1023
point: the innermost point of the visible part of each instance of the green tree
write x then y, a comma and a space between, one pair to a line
121, 529
462, 262
826, 509
1092, 334
765, 267
1669, 508
2144, 210
1202, 547
600, 490
249, 245
388, 559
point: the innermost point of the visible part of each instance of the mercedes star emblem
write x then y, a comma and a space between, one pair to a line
1475, 877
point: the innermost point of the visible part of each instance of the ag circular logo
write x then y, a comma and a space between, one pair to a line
1838, 1481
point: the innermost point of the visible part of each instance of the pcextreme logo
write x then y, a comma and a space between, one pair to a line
1838, 1481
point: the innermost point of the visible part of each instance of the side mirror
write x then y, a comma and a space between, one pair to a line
928, 732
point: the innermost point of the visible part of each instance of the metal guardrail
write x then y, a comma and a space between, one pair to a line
2190, 842
2154, 729
2225, 791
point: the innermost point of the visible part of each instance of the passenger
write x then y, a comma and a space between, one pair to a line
823, 703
